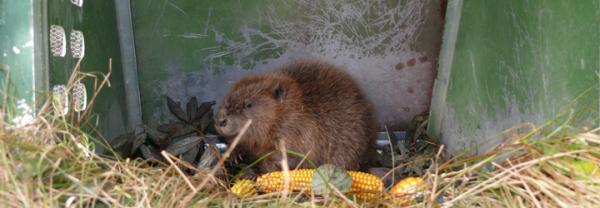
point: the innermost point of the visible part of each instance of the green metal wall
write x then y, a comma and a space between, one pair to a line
25, 57
507, 62
170, 36
98, 22
502, 63
191, 48
22, 59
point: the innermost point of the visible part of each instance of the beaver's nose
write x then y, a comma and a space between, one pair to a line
222, 122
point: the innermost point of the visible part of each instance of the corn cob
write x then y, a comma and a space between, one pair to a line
366, 186
243, 188
405, 190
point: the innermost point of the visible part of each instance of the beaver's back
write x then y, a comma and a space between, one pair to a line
324, 86
346, 127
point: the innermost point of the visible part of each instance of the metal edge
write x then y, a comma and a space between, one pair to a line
440, 86
128, 57
40, 60
598, 72
382, 139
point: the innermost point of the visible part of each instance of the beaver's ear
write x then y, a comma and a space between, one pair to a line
278, 91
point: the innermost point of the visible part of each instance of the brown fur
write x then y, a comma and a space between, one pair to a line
313, 107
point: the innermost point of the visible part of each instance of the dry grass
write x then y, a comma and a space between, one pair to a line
48, 164
559, 171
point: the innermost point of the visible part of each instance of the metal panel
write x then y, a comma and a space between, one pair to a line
130, 73
509, 62
23, 56
97, 20
197, 48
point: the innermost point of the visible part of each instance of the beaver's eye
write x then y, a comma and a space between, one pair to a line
248, 104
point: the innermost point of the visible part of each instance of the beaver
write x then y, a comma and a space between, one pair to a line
313, 107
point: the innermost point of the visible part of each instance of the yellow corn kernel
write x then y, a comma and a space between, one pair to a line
243, 188
300, 180
406, 189
366, 186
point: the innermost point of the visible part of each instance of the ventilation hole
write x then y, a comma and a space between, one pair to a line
60, 100
78, 3
77, 44
79, 96
58, 43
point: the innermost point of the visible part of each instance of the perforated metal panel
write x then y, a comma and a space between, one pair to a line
60, 100
79, 96
77, 43
78, 3
58, 41
93, 37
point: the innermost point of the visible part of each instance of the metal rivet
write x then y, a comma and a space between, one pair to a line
78, 3
79, 96
60, 100
58, 43
77, 44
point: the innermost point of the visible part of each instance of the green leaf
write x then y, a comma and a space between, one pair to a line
584, 167
191, 108
155, 136
328, 176
175, 108
181, 146
140, 138
206, 120
204, 108
151, 153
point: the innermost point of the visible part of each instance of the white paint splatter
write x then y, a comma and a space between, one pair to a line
24, 115
27, 44
16, 50
193, 35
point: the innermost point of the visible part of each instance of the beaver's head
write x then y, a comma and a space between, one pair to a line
257, 98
